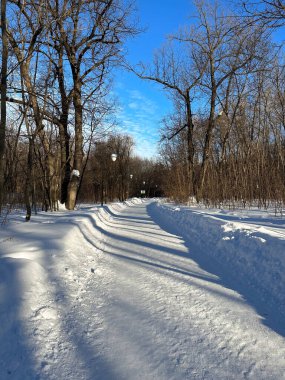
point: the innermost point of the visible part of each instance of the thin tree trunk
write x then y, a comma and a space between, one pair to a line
28, 184
3, 97
210, 128
190, 146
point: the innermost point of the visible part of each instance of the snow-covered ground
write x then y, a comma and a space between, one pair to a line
143, 290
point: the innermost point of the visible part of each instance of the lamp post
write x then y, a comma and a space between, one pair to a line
113, 158
143, 190
155, 190
130, 180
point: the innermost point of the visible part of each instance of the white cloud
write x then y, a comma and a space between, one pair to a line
133, 105
139, 116
142, 103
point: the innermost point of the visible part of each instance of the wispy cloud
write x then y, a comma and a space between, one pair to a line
140, 117
134, 105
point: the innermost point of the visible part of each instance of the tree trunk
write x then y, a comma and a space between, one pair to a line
65, 165
65, 160
78, 149
3, 97
190, 146
210, 128
28, 184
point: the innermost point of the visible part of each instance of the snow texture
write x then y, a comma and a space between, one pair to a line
143, 290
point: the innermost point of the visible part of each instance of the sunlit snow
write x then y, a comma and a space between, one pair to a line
143, 290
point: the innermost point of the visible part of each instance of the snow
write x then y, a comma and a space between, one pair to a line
248, 243
143, 290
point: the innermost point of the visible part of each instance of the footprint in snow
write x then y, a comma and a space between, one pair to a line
46, 312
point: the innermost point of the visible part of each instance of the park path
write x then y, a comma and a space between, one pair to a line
116, 293
164, 317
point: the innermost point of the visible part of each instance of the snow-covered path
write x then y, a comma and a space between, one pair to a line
125, 300
166, 318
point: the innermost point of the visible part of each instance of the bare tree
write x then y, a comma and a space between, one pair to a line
229, 49
77, 43
3, 96
232, 134
23, 34
267, 12
179, 74
91, 34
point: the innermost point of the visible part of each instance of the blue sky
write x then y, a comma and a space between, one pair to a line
143, 104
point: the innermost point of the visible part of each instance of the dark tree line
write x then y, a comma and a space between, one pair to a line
128, 176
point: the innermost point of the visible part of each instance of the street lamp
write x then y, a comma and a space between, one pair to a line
143, 190
113, 158
131, 177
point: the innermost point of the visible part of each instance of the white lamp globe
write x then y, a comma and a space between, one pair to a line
113, 156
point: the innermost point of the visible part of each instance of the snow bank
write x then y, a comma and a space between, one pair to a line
251, 249
134, 201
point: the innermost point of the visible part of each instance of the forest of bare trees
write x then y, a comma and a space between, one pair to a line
60, 57
224, 141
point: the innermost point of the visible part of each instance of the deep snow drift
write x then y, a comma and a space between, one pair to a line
143, 291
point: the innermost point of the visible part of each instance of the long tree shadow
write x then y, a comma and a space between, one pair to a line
16, 361
18, 349
127, 239
271, 313
138, 258
173, 272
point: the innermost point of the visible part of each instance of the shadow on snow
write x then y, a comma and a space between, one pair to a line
269, 311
